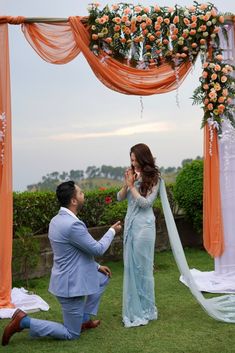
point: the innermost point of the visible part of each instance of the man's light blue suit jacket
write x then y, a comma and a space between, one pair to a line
74, 272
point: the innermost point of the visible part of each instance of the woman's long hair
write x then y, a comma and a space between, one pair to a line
149, 171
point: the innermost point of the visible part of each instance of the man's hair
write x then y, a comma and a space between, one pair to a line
65, 192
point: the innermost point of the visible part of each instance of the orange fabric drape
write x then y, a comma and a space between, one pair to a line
61, 42
6, 209
212, 211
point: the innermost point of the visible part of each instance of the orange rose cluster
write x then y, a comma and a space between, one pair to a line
153, 34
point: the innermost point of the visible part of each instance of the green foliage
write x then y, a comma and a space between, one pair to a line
26, 252
188, 192
34, 210
115, 212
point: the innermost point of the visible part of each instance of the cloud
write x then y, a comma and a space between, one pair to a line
127, 131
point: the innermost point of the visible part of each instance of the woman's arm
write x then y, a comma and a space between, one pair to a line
121, 195
145, 202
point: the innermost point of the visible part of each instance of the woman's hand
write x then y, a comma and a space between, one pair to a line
129, 178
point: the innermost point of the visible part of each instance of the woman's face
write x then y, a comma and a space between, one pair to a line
134, 163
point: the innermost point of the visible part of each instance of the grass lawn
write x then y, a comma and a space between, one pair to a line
182, 327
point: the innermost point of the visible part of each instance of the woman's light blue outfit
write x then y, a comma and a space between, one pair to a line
139, 242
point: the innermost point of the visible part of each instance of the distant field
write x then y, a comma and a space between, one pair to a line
88, 184
95, 183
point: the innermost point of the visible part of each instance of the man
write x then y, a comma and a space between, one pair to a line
76, 279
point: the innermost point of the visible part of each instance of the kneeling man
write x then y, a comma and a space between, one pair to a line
76, 280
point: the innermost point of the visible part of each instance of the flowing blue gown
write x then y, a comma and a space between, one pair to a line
139, 242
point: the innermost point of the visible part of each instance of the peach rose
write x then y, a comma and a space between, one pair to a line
108, 40
212, 94
176, 19
159, 19
194, 45
157, 8
221, 99
202, 41
221, 19
143, 25
151, 38
223, 79
186, 21
123, 40
205, 65
217, 86
192, 32
225, 92
167, 21
219, 57
216, 30
146, 9
193, 25
214, 77
94, 36
205, 86
206, 101
116, 28
210, 106
174, 37
217, 67
221, 107
203, 7
157, 26
137, 9
148, 21
117, 20
127, 10
204, 73
203, 28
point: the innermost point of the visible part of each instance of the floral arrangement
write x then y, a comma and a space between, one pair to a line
216, 92
145, 36
152, 34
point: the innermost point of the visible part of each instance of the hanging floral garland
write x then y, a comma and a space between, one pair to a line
145, 36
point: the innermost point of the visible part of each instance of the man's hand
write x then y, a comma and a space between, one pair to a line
105, 270
117, 227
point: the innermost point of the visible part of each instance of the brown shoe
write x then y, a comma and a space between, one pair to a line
13, 326
90, 324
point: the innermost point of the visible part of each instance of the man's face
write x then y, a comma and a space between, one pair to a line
79, 197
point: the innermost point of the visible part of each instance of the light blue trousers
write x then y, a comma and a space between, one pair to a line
73, 310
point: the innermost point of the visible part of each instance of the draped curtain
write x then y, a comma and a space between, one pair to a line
61, 42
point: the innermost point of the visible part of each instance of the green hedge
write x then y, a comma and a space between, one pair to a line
35, 209
188, 192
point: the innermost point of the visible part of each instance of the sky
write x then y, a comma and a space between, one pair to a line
63, 118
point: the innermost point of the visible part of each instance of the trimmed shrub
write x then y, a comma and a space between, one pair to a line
188, 192
35, 209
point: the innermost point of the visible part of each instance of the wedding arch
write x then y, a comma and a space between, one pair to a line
141, 51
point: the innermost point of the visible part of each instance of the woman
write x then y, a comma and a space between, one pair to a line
140, 188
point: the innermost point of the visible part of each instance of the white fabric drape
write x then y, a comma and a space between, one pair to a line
222, 279
226, 262
220, 308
